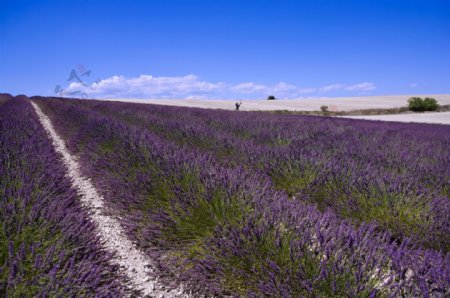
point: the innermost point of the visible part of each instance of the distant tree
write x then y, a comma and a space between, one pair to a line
238, 105
417, 104
324, 109
430, 104
271, 97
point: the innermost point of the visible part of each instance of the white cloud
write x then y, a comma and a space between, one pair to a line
283, 87
192, 87
150, 86
413, 85
249, 87
365, 86
332, 87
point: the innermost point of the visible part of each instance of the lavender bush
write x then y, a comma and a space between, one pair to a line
4, 97
240, 206
48, 246
394, 174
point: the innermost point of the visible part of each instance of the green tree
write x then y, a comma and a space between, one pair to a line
417, 104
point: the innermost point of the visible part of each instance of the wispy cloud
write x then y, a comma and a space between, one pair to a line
282, 89
365, 86
150, 86
249, 88
332, 87
413, 85
191, 86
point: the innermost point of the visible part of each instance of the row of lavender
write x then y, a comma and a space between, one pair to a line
225, 229
397, 175
48, 246
4, 97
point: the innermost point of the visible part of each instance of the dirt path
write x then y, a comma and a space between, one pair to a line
437, 118
136, 265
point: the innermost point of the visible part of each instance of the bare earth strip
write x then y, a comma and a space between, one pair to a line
439, 118
304, 104
136, 265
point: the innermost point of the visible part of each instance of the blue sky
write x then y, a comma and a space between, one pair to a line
225, 49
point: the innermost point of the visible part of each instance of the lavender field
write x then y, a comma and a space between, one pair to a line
225, 203
48, 247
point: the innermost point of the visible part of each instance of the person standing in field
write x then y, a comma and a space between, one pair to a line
238, 105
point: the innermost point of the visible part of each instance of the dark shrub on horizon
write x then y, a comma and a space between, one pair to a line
430, 104
417, 104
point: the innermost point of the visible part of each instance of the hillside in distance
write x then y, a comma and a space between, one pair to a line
337, 104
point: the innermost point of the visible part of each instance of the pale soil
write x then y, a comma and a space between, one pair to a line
439, 118
308, 104
135, 264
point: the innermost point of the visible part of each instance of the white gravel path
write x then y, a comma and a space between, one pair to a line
136, 265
